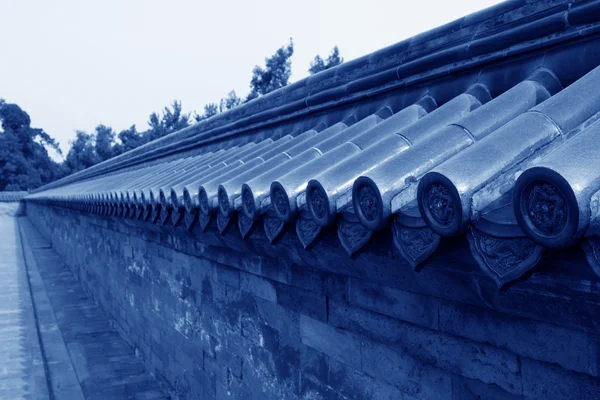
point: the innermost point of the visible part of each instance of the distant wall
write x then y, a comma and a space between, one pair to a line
6, 197
218, 318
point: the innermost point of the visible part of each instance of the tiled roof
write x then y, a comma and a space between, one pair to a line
503, 152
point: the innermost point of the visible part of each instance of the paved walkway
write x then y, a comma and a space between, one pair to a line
55, 341
22, 373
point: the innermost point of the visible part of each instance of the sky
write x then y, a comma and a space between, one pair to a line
73, 64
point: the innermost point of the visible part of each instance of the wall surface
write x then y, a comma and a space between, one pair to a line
215, 322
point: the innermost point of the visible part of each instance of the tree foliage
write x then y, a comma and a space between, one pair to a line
230, 102
275, 74
89, 149
105, 142
318, 64
211, 109
82, 153
130, 139
24, 160
172, 120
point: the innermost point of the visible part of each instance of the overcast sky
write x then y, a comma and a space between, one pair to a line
74, 64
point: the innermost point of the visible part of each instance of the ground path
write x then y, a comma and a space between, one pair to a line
55, 340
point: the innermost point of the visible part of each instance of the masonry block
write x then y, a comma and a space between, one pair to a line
547, 381
127, 251
234, 388
284, 320
314, 365
236, 306
332, 285
336, 343
311, 388
575, 350
303, 277
407, 306
409, 375
258, 286
353, 384
227, 275
465, 388
272, 269
269, 375
302, 301
450, 353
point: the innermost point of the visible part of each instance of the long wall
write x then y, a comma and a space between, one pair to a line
217, 318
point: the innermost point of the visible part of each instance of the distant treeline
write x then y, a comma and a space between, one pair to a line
24, 160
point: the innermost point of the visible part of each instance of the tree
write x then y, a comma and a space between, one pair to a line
199, 117
130, 139
318, 64
334, 58
275, 74
15, 172
105, 142
90, 149
14, 118
227, 103
210, 109
172, 120
154, 121
24, 160
82, 153
230, 102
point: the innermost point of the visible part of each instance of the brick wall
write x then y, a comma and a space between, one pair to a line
219, 318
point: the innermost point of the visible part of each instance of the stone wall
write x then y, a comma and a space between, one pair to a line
218, 317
